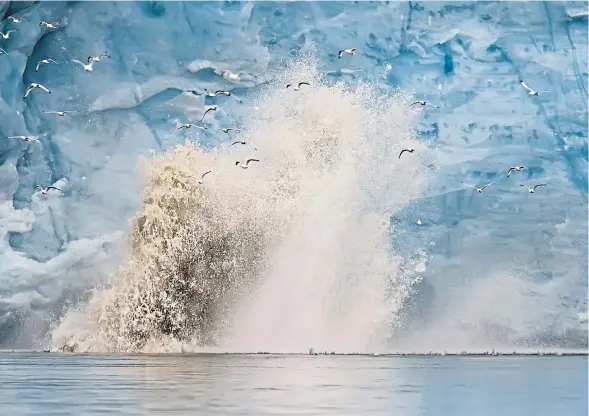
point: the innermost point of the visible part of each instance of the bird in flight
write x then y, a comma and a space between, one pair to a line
245, 166
59, 113
297, 87
7, 34
43, 61
25, 138
533, 190
219, 92
53, 25
99, 57
409, 149
87, 67
531, 91
516, 168
351, 51
228, 129
422, 103
34, 86
45, 190
189, 125
479, 190
17, 19
203, 176
211, 108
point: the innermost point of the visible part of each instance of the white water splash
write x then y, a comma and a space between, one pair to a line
288, 254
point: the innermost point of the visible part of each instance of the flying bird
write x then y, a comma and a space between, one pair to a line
351, 51
410, 150
99, 57
217, 93
246, 163
59, 113
53, 25
25, 138
531, 91
43, 61
189, 125
203, 176
17, 19
479, 190
211, 108
7, 34
533, 190
231, 76
516, 168
237, 142
228, 129
33, 86
87, 67
45, 190
422, 103
297, 87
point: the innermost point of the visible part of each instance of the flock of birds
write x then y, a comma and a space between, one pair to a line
89, 67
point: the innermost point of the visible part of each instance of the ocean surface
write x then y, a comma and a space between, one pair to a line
54, 384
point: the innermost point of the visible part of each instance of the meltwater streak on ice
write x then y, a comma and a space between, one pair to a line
290, 253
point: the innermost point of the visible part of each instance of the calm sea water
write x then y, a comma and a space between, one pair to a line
54, 384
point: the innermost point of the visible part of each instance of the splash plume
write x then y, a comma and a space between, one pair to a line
289, 253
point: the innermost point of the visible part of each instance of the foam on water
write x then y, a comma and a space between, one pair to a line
290, 253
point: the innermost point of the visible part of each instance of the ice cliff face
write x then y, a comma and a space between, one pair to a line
505, 262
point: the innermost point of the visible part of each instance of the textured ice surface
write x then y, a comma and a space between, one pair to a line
503, 262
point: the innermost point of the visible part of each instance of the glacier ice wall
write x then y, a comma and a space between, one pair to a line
502, 265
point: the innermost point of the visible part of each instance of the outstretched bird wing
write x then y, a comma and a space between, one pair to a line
523, 84
540, 184
489, 184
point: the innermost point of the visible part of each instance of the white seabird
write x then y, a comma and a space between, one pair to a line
7, 34
87, 67
351, 51
576, 14
228, 129
230, 75
516, 168
211, 108
479, 190
43, 61
59, 113
297, 87
246, 163
423, 102
533, 190
45, 190
33, 86
99, 57
52, 25
237, 142
189, 125
531, 91
409, 149
220, 92
25, 138
17, 19
203, 176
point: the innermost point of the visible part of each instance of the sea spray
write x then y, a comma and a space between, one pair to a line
289, 253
